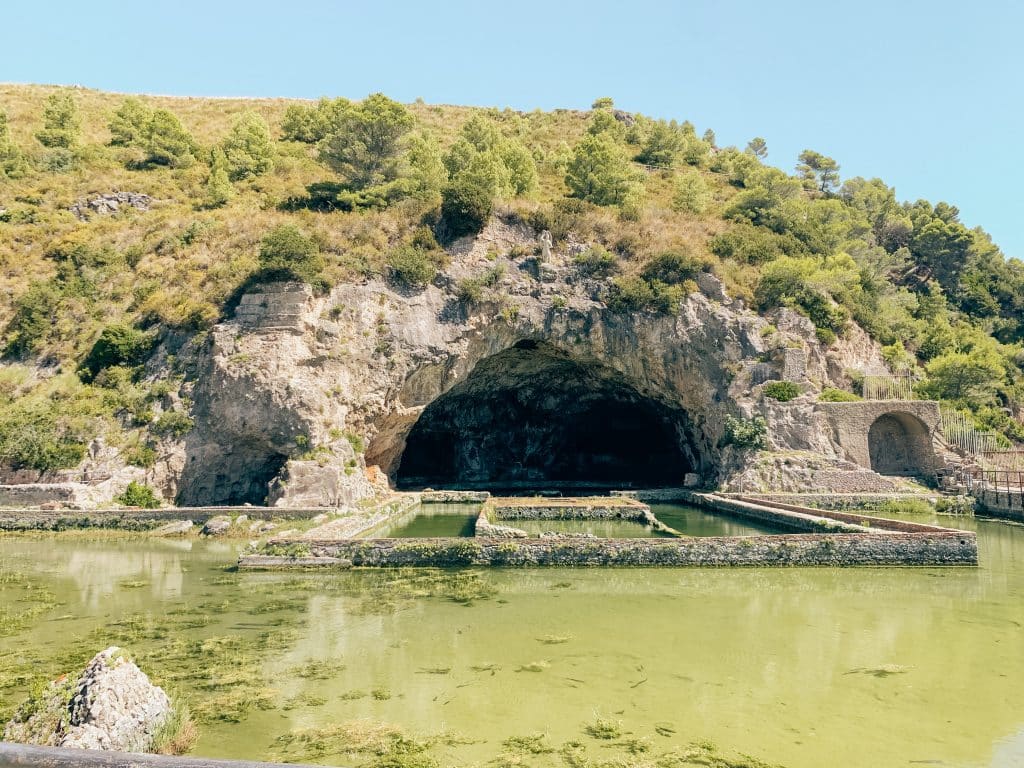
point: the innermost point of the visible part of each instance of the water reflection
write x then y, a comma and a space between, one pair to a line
805, 667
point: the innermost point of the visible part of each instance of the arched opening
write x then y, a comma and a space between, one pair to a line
899, 444
229, 475
532, 417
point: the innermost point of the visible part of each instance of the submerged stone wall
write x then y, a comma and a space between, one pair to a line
947, 548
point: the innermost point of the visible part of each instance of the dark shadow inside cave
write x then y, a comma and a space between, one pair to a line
232, 476
532, 417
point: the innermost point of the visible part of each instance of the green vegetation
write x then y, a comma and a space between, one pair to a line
139, 495
783, 391
465, 208
751, 434
907, 507
833, 395
252, 191
118, 345
597, 262
248, 149
61, 123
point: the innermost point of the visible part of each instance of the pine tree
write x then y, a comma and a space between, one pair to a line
248, 148
61, 125
13, 162
218, 185
167, 142
758, 147
130, 123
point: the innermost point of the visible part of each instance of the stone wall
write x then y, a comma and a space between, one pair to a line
628, 509
891, 436
135, 519
1001, 504
949, 548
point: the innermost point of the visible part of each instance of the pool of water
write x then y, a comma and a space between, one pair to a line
801, 667
694, 521
435, 520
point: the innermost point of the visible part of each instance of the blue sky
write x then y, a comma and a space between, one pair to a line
926, 95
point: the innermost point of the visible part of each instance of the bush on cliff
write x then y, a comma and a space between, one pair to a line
465, 209
783, 391
138, 495
117, 345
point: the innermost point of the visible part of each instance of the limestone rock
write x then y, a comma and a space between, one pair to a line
175, 528
109, 203
217, 525
111, 706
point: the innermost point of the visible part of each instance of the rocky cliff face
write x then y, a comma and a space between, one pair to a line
307, 400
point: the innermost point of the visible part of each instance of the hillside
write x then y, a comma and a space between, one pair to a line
104, 312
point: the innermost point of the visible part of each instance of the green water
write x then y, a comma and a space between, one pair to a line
693, 521
797, 667
436, 520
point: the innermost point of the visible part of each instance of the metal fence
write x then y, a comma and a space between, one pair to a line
995, 487
898, 386
959, 430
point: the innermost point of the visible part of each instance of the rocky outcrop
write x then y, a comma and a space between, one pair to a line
110, 203
110, 706
305, 400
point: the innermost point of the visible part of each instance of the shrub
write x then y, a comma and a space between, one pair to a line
471, 290
138, 495
691, 193
117, 345
34, 434
749, 434
746, 243
58, 160
172, 424
34, 315
597, 262
783, 391
465, 208
287, 254
632, 294
826, 336
833, 395
414, 267
141, 455
672, 268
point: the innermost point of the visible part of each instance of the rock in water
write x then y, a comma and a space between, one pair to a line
112, 706
217, 525
175, 528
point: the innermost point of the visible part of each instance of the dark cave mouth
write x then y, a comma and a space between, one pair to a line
531, 417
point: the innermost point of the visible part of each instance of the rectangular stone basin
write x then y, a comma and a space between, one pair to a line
433, 521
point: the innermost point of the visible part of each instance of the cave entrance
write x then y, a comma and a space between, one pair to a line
230, 476
899, 444
532, 417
